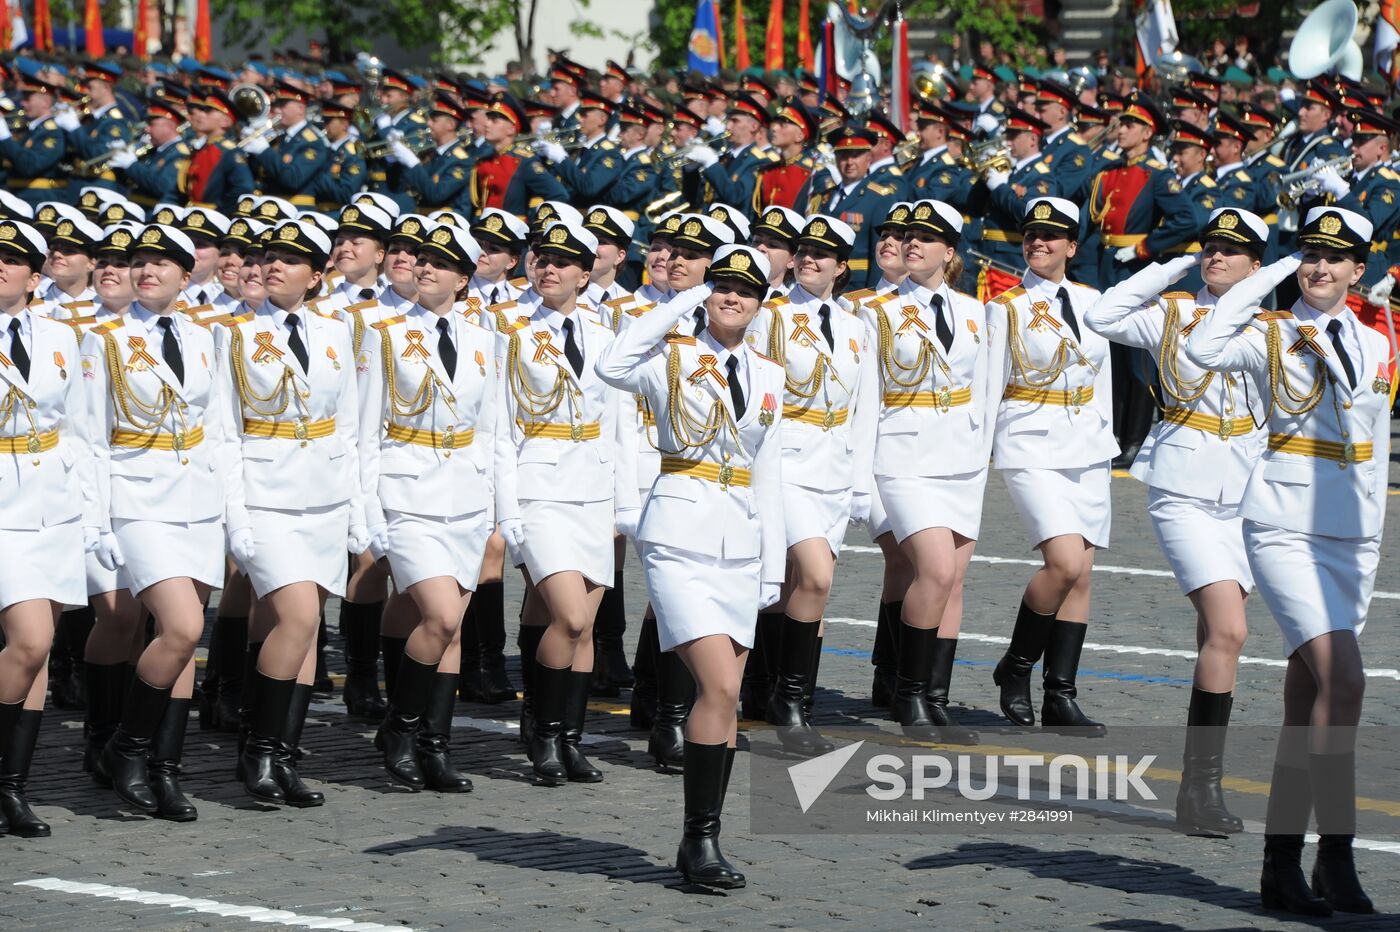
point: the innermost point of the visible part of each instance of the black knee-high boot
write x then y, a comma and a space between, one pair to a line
284, 760
699, 858
785, 703
885, 655
550, 696
939, 682
1282, 883
434, 739
107, 686
611, 674
245, 708
644, 676
754, 689
1334, 875
67, 683
490, 604
910, 708
124, 759
1013, 671
224, 689
359, 630
321, 681
267, 720
471, 682
575, 709
393, 649
1059, 708
19, 733
529, 643
675, 694
167, 751
1200, 804
398, 735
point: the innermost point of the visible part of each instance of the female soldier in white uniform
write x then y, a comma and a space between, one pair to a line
565, 477
712, 539
830, 408
169, 481
45, 475
292, 391
428, 418
1053, 443
1313, 513
1195, 462
931, 456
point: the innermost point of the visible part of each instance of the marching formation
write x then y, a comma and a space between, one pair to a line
308, 361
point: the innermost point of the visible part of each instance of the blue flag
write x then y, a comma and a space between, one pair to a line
704, 39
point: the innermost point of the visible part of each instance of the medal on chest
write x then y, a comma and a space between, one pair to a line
766, 412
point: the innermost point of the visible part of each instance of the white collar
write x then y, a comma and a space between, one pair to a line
293, 130
934, 153
1222, 171
875, 166
1051, 137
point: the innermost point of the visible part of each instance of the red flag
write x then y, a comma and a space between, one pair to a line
141, 39
202, 34
719, 35
741, 37
773, 41
43, 27
6, 26
804, 38
92, 29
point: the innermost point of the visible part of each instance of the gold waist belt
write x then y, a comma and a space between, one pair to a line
299, 429
575, 432
1342, 453
944, 398
823, 419
159, 439
30, 443
1223, 427
438, 440
710, 472
1072, 398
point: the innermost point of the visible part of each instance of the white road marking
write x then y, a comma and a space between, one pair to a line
212, 907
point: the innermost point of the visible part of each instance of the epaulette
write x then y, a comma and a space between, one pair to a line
522, 150
1111, 155
777, 302
1153, 163
1077, 139
680, 338
607, 144
48, 124
417, 116
948, 159
896, 170
387, 322
1011, 294
314, 302
324, 315
502, 306
229, 319
521, 282
196, 310
761, 356
1043, 168
1389, 173
1275, 161
860, 295
807, 162
1274, 315
1207, 181
1177, 296
884, 190
1242, 175
109, 326
358, 306
640, 309
459, 153
885, 298
618, 304
351, 147
76, 322
182, 149
227, 144
505, 326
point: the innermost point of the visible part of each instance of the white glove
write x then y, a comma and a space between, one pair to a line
398, 152
715, 126
627, 521
66, 119
1286, 93
1331, 182
703, 156
122, 158
357, 542
513, 530
91, 536
551, 150
768, 594
1125, 254
694, 296
1177, 269
382, 121
996, 179
1380, 291
255, 146
108, 551
860, 508
379, 541
988, 124
4, 130
240, 544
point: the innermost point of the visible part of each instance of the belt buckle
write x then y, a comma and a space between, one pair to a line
1076, 398
299, 430
576, 432
177, 441
726, 476
828, 420
945, 398
449, 439
33, 444
1226, 428
1349, 453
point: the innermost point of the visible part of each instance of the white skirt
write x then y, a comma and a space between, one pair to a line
694, 595
299, 546
809, 513
1203, 541
99, 578
916, 503
1055, 502
46, 563
158, 550
879, 524
423, 546
1312, 584
568, 536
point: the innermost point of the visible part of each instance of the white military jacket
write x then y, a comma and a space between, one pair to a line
296, 429
427, 439
831, 401
1055, 406
720, 489
1324, 469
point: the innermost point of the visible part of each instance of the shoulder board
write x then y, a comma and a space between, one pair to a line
76, 322
761, 356
779, 301
640, 309
315, 302
1111, 155
48, 124
885, 298
896, 170
324, 315
1043, 168
1006, 297
948, 159
807, 162
227, 144
417, 116
884, 190
1389, 174
1178, 296
521, 282
1207, 181
387, 322
197, 309
1077, 139
108, 327
1325, 140
182, 149
1080, 285
358, 306
861, 295
619, 303
1274, 315
351, 147
1153, 163
521, 150
503, 306
1275, 161
1242, 175
680, 338
459, 153
607, 144
228, 319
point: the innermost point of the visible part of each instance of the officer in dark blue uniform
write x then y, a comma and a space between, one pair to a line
1000, 195
348, 172
856, 199
32, 159
1189, 145
511, 177
1372, 189
597, 163
439, 176
567, 80
732, 175
884, 170
108, 124
159, 175
1071, 161
289, 164
400, 116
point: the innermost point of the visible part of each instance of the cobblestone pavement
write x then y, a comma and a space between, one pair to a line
513, 855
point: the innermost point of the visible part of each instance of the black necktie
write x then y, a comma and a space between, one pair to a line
571, 351
1334, 330
202, 297
495, 296
18, 355
699, 314
366, 294
447, 351
1067, 311
170, 348
824, 312
736, 391
940, 323
294, 341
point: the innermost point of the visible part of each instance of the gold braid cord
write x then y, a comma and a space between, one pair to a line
689, 432
277, 400
526, 399
15, 400
1184, 391
1032, 376
894, 369
140, 415
400, 407
777, 350
1278, 379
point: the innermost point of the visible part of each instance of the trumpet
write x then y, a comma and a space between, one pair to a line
98, 163
1295, 186
696, 143
988, 156
908, 149
379, 148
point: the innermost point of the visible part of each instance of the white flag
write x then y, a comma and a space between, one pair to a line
1156, 30
19, 33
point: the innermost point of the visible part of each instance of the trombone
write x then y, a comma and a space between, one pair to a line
98, 163
415, 140
1294, 186
690, 147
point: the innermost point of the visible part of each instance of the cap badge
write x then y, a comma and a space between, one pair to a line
121, 239
287, 233
740, 262
1228, 221
1042, 212
493, 224
818, 228
559, 235
150, 237
349, 215
1331, 225
442, 237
